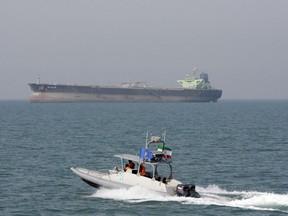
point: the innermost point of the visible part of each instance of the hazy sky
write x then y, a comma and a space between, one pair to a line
241, 44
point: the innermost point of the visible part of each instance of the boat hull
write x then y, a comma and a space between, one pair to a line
116, 180
70, 93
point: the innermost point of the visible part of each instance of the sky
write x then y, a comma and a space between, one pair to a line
241, 44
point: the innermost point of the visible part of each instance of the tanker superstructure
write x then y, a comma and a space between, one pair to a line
193, 89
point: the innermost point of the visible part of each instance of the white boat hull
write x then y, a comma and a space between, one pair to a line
118, 179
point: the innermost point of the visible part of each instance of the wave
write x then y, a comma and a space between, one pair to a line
211, 195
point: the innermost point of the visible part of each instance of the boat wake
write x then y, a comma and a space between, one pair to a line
211, 195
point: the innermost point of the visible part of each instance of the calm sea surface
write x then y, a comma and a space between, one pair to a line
236, 152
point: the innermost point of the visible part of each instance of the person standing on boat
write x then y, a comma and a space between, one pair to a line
127, 167
142, 170
131, 164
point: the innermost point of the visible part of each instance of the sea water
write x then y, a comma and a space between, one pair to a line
234, 151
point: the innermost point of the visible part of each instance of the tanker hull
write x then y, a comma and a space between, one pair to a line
45, 93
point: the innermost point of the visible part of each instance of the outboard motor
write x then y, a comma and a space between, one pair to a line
187, 190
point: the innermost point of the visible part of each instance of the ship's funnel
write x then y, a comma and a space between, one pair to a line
204, 76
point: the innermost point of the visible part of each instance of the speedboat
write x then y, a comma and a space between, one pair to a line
151, 169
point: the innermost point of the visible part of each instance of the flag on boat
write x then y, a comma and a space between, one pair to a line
166, 151
145, 153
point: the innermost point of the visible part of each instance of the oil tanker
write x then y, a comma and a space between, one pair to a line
192, 89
